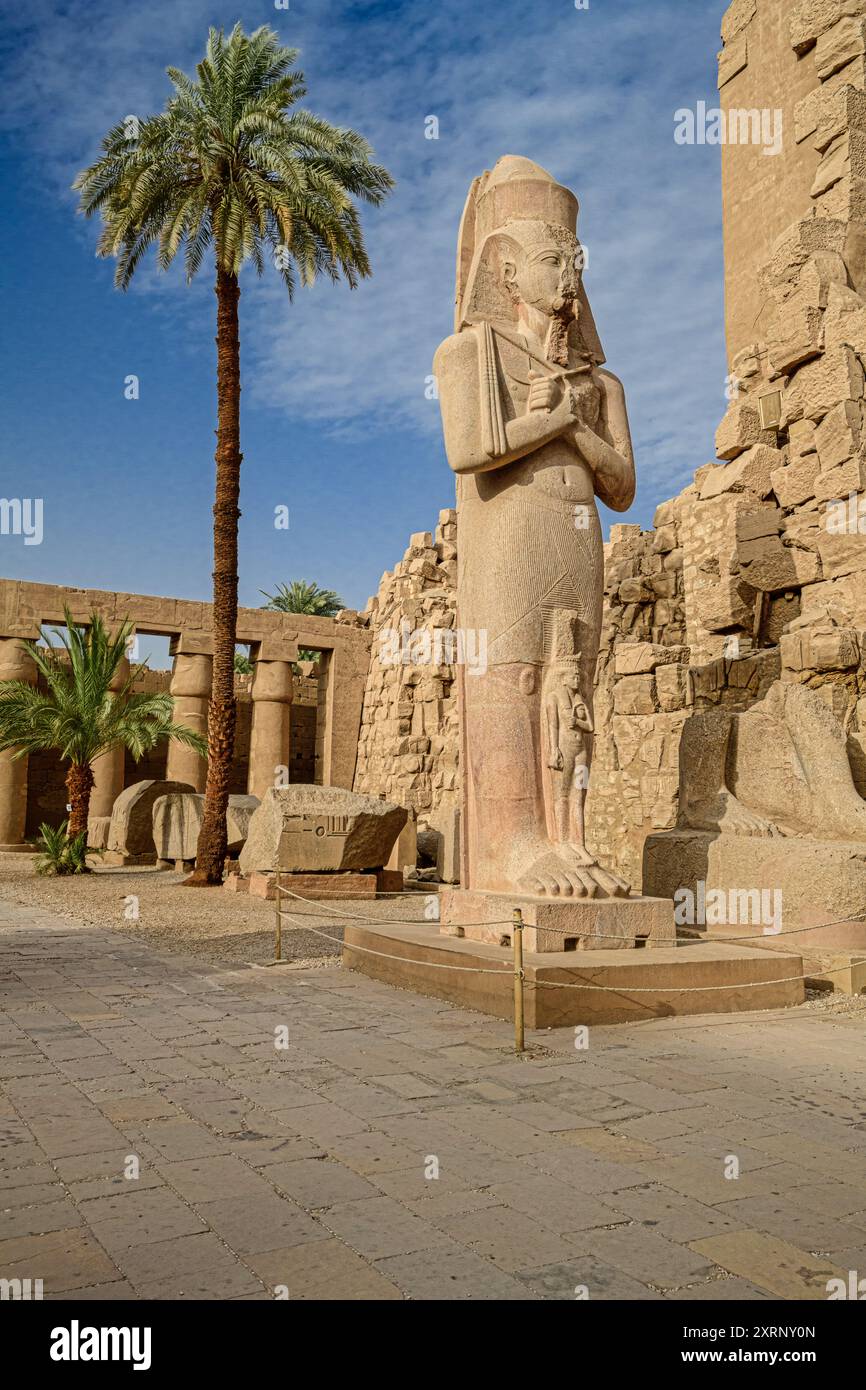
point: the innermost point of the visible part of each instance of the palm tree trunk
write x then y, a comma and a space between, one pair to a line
212, 838
79, 782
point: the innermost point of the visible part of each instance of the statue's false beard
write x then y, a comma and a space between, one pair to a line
556, 347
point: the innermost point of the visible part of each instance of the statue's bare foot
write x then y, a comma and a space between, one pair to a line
728, 814
569, 871
556, 874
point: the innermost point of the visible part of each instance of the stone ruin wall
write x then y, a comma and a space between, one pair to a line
319, 742
742, 579
408, 747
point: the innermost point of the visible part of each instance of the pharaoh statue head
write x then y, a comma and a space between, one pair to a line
518, 244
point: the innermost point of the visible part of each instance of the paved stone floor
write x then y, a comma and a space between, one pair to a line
306, 1169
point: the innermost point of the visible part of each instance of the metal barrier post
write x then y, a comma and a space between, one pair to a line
278, 918
517, 940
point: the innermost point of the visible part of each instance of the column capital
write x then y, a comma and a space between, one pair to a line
273, 681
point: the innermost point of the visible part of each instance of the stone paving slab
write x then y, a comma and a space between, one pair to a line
395, 1147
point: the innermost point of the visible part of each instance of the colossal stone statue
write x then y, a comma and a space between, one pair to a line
535, 430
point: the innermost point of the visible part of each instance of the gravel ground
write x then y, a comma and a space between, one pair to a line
225, 928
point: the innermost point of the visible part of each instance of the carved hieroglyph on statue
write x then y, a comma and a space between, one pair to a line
535, 430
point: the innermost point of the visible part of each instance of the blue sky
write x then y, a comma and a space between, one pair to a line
335, 423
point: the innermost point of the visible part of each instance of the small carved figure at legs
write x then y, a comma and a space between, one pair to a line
569, 723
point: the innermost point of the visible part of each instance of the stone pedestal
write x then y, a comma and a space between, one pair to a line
108, 767
15, 665
567, 924
269, 740
190, 689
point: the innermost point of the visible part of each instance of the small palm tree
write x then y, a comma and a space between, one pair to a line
79, 716
301, 597
228, 165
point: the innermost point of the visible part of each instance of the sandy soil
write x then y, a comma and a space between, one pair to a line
208, 922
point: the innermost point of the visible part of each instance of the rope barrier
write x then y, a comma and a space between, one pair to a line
595, 936
517, 972
562, 984
790, 931
385, 955
680, 989
378, 921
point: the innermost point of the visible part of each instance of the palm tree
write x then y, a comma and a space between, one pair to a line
301, 597
79, 715
229, 166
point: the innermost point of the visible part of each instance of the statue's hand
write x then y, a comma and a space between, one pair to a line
565, 415
544, 392
555, 761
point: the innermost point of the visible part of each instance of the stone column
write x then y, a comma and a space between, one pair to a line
108, 767
269, 741
15, 665
190, 688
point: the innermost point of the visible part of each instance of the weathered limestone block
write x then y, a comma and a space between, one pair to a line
845, 199
797, 245
841, 481
311, 828
796, 482
177, 819
820, 385
673, 687
770, 566
732, 59
737, 17
797, 334
830, 110
820, 649
839, 434
841, 554
811, 18
750, 472
665, 539
634, 695
833, 167
637, 590
130, 836
637, 658
728, 603
740, 430
845, 319
840, 45
754, 526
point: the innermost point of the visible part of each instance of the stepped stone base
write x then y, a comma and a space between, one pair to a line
667, 982
558, 924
